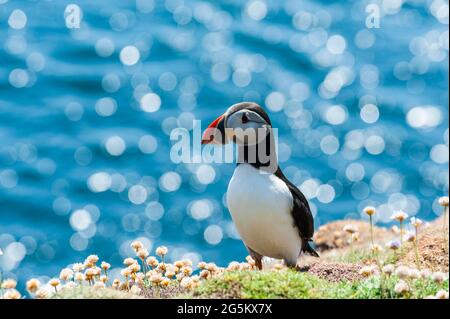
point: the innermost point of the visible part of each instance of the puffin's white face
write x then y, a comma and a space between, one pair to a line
246, 127
244, 123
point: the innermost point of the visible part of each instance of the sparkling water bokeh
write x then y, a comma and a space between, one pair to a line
86, 115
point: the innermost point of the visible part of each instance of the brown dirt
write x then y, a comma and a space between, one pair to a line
163, 292
433, 252
332, 242
332, 235
333, 271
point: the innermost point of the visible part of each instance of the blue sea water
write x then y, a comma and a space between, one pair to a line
86, 115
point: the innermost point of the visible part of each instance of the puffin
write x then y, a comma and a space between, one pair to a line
271, 215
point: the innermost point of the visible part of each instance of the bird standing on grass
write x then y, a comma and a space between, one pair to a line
271, 214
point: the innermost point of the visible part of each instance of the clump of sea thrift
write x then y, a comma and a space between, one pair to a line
442, 294
54, 283
33, 285
394, 246
401, 288
9, 284
161, 252
368, 271
12, 294
144, 272
388, 269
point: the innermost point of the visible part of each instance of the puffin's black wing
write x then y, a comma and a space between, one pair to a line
301, 214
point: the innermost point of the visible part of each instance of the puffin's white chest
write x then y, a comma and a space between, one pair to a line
260, 205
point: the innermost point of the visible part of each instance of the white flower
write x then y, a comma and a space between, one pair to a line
152, 261
250, 260
104, 279
70, 285
367, 271
78, 267
66, 274
234, 265
165, 282
129, 261
41, 294
401, 287
201, 265
91, 260
438, 277
414, 273
116, 283
142, 253
399, 215
425, 273
410, 236
12, 294
187, 262
156, 278
105, 266
388, 269
135, 290
416, 222
369, 210
54, 282
350, 228
205, 274
99, 285
134, 267
393, 244
9, 284
395, 229
136, 245
402, 272
186, 282
376, 248
32, 285
126, 272
443, 201
442, 294
161, 251
79, 276
211, 267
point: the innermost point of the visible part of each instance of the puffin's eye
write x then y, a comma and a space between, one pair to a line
245, 118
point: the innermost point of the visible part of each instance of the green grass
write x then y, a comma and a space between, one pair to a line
87, 292
292, 284
288, 284
363, 255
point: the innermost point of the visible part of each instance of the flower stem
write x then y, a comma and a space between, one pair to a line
401, 238
351, 246
416, 248
444, 229
371, 229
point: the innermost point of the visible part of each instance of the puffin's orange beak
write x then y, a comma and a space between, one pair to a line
208, 135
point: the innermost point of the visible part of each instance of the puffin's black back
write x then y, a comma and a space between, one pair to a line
301, 213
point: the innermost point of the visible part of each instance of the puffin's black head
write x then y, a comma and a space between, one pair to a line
243, 123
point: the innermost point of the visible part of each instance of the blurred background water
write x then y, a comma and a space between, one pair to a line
86, 114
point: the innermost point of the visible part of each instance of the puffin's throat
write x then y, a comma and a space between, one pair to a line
262, 156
